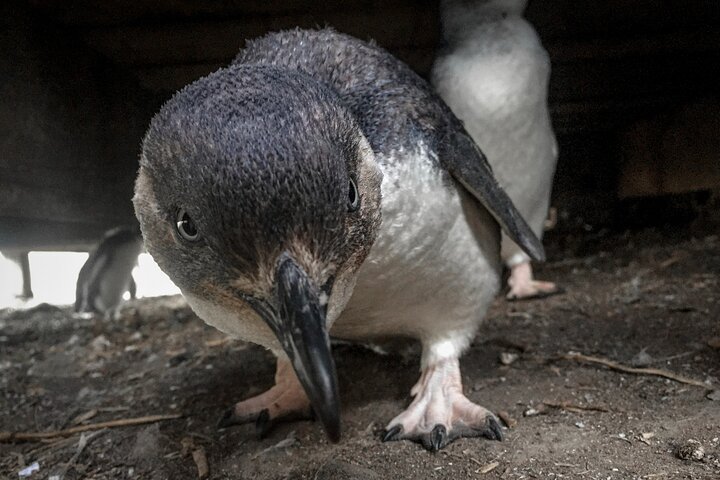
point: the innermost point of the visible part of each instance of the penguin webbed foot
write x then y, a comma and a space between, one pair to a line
285, 401
440, 413
524, 287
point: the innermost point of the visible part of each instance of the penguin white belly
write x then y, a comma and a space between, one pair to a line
497, 84
112, 289
434, 267
114, 278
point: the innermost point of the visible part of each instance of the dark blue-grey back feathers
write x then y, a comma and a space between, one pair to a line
395, 108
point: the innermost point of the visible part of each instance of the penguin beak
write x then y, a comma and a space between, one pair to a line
300, 326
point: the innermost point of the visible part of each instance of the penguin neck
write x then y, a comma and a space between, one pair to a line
460, 18
511, 7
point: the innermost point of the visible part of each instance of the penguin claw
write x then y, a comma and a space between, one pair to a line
285, 401
441, 413
441, 436
230, 418
392, 434
438, 438
263, 424
227, 419
493, 430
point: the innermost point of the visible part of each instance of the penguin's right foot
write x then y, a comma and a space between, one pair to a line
286, 400
440, 412
524, 287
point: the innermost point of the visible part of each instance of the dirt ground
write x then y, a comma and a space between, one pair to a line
647, 299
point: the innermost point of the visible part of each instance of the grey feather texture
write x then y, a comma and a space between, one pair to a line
396, 109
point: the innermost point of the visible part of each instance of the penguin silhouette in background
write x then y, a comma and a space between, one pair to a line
107, 273
493, 72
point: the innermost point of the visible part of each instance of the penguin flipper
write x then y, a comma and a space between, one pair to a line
467, 164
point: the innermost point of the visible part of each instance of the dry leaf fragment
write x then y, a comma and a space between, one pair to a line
489, 467
201, 462
507, 419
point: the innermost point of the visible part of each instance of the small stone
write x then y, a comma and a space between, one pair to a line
579, 424
507, 358
714, 395
28, 471
690, 450
100, 343
641, 359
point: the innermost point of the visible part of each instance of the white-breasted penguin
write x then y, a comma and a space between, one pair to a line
318, 185
493, 72
107, 273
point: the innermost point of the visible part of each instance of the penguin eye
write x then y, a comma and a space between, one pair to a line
353, 197
185, 226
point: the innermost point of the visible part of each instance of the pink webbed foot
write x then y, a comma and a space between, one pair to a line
440, 412
524, 287
286, 400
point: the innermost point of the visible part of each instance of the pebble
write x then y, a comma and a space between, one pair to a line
690, 450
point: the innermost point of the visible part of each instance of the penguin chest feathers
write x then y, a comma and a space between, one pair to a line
435, 260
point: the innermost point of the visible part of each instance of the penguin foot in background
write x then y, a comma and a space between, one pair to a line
524, 287
286, 400
440, 412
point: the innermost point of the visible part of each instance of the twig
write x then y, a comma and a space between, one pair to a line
122, 422
82, 443
579, 357
489, 467
621, 437
674, 258
571, 406
674, 357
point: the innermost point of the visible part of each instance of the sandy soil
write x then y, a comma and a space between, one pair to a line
644, 299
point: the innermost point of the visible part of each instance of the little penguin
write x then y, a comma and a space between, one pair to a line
107, 273
493, 72
317, 186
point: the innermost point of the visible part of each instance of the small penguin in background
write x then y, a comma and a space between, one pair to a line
493, 73
107, 273
21, 259
318, 186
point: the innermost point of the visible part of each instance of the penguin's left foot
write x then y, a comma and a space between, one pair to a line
440, 412
524, 287
286, 400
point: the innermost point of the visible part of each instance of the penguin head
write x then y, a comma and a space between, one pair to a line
257, 191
